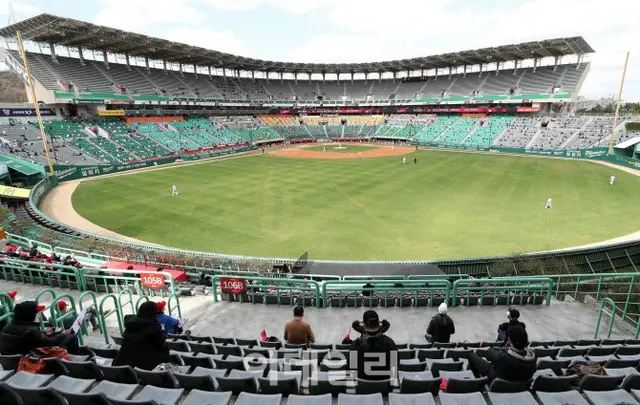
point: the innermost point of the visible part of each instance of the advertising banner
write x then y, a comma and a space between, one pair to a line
111, 113
25, 112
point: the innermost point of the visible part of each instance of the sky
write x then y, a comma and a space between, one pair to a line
336, 31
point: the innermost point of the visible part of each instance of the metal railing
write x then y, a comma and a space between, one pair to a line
272, 286
612, 316
510, 287
389, 289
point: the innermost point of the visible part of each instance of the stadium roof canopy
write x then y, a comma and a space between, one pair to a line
45, 28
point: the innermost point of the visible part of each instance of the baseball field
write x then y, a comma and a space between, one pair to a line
448, 205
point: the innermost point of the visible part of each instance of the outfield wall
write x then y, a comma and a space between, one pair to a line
586, 260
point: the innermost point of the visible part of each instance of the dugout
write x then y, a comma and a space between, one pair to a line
629, 148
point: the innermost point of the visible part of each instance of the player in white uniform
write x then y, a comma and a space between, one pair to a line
404, 160
612, 180
548, 203
174, 190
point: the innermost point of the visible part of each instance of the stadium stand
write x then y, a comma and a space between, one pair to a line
558, 131
431, 132
117, 79
518, 132
487, 131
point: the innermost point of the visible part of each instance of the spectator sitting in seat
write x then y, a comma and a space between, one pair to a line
24, 334
515, 363
143, 341
33, 252
513, 315
169, 323
376, 353
90, 316
297, 331
441, 326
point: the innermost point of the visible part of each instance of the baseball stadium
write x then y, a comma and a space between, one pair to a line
232, 191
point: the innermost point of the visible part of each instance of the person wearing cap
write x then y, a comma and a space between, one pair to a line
513, 315
440, 327
12, 295
143, 340
515, 363
297, 331
24, 334
374, 355
169, 324
90, 316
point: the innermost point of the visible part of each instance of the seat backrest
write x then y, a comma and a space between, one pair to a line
501, 385
359, 399
85, 399
82, 369
8, 395
282, 385
546, 352
195, 382
237, 385
371, 387
618, 363
409, 386
455, 386
247, 398
40, 396
631, 382
453, 366
554, 384
229, 364
246, 342
119, 374
203, 347
162, 379
555, 365
423, 354
591, 382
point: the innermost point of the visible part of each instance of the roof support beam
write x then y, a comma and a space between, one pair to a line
80, 54
52, 48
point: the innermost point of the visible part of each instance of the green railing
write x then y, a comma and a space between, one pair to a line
505, 286
387, 288
6, 308
109, 280
51, 275
309, 288
612, 316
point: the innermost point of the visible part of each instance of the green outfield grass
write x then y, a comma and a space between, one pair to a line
345, 148
451, 205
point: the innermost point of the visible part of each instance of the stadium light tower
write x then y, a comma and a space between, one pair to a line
34, 99
615, 116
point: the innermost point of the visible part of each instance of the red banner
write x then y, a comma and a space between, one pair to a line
152, 280
233, 285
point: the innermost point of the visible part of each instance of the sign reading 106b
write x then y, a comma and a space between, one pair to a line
233, 285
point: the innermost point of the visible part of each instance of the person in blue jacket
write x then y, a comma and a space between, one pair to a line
169, 324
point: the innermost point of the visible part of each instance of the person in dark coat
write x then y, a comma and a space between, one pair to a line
143, 341
515, 363
374, 347
513, 315
24, 334
441, 326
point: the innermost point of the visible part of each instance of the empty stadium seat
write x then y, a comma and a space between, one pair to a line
247, 398
114, 390
472, 398
197, 397
70, 384
368, 399
164, 396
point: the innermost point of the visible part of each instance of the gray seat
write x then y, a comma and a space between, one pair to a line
368, 399
333, 383
412, 365
591, 382
553, 383
503, 386
119, 374
163, 396
9, 396
195, 382
245, 374
419, 386
70, 384
206, 348
564, 398
229, 364
179, 346
411, 399
81, 398
10, 361
415, 375
246, 398
196, 361
618, 397
520, 398
40, 396
466, 386
162, 379
282, 385
197, 397
237, 385
276, 375
82, 369
621, 371
373, 386
458, 375
23, 379
4, 374
114, 390
452, 366
309, 399
472, 398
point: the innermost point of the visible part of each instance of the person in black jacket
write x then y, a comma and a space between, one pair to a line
24, 334
143, 341
513, 315
375, 354
516, 363
441, 326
